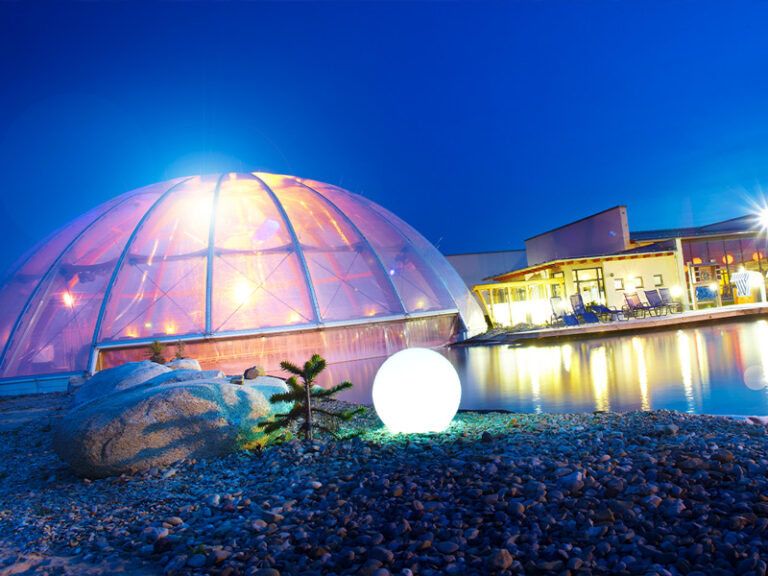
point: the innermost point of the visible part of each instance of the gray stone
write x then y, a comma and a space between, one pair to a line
269, 385
115, 379
572, 482
183, 364
666, 429
253, 373
196, 561
149, 426
500, 559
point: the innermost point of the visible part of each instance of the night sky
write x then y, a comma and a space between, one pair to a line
479, 123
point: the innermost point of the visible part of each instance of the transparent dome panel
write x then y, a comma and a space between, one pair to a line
348, 279
58, 328
468, 307
25, 275
258, 281
159, 289
417, 284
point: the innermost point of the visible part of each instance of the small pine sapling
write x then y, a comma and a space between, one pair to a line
180, 347
156, 350
301, 394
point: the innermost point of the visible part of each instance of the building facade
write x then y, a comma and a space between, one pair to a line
601, 259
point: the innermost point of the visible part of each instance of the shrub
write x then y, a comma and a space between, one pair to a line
302, 394
156, 350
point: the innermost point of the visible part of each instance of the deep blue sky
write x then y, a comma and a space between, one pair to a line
480, 123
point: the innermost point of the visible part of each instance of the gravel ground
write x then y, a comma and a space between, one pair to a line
639, 493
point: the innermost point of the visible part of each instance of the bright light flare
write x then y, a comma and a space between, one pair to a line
763, 216
68, 299
416, 390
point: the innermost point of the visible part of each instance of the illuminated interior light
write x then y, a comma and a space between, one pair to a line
727, 259
294, 318
697, 260
371, 312
170, 329
131, 332
676, 291
242, 292
629, 288
148, 325
416, 390
713, 286
68, 300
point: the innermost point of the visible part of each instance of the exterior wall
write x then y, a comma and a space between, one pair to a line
603, 233
644, 268
475, 268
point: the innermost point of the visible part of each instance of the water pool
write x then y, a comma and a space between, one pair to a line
714, 369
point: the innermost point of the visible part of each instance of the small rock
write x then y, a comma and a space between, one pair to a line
370, 567
447, 547
500, 559
666, 429
572, 482
196, 561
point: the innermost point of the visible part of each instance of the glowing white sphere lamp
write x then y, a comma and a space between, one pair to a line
416, 390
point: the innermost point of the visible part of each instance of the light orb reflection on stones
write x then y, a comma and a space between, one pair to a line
416, 390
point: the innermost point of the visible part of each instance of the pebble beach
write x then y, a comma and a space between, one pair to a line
576, 494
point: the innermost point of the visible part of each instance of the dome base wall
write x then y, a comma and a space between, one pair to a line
355, 350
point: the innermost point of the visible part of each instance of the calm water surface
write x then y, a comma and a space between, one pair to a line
719, 369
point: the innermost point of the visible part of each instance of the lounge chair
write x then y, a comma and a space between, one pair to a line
561, 314
655, 301
672, 304
578, 307
603, 312
636, 307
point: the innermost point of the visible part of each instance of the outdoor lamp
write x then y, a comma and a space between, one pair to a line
416, 390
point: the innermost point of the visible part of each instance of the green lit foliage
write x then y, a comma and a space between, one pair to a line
309, 401
156, 350
180, 348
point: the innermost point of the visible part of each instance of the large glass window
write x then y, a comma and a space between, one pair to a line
589, 283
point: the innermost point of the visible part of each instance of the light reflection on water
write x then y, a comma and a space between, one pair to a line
695, 370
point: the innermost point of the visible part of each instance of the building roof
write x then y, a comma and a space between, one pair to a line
650, 250
742, 225
576, 222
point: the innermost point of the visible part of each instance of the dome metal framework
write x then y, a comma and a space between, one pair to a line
209, 258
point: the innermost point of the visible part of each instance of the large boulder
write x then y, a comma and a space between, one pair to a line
183, 364
118, 378
148, 426
269, 385
184, 375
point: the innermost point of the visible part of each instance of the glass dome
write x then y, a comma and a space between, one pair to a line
216, 257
